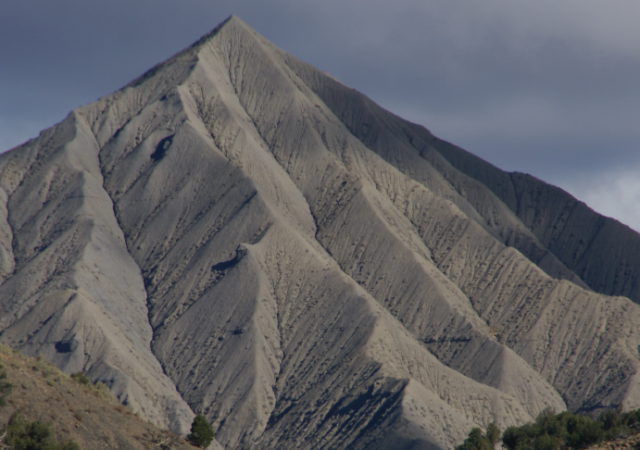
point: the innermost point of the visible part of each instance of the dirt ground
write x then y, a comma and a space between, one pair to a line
86, 414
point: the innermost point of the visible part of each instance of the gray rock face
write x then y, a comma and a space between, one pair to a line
604, 253
238, 234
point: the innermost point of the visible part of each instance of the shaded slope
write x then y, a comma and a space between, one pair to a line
396, 141
600, 250
458, 244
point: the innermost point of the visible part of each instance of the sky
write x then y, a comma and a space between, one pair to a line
547, 88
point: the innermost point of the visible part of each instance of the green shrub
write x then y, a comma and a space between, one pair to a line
477, 440
546, 442
583, 432
565, 430
551, 424
81, 378
201, 432
101, 390
517, 437
493, 434
618, 424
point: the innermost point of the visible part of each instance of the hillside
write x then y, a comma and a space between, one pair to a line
629, 443
85, 414
236, 233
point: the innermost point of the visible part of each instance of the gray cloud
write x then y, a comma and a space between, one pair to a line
544, 87
614, 193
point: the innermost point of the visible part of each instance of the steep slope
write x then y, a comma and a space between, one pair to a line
600, 250
238, 234
75, 294
206, 252
458, 244
470, 256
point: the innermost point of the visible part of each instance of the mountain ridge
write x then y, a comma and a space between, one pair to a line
302, 280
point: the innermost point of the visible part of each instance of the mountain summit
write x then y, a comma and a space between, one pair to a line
238, 234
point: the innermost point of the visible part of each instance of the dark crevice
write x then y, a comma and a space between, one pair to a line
515, 193
161, 148
224, 265
65, 346
444, 340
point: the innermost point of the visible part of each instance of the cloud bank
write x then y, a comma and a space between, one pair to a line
548, 88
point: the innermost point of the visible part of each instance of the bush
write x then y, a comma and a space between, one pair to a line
81, 378
546, 442
583, 432
552, 431
477, 440
517, 437
618, 424
201, 432
493, 434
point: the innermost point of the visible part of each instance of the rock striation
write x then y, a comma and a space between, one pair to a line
238, 234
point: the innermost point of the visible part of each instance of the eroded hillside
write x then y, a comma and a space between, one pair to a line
238, 234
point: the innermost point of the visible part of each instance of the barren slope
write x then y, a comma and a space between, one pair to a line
238, 234
600, 250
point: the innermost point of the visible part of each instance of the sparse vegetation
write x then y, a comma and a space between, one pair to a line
20, 434
5, 387
54, 409
201, 432
552, 431
619, 424
477, 440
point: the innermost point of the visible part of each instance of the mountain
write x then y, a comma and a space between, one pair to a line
238, 234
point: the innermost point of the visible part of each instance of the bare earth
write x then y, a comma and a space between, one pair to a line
92, 418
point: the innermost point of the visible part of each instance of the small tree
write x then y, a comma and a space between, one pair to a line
517, 437
201, 432
493, 434
583, 432
477, 440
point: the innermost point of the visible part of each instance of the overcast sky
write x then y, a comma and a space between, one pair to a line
546, 87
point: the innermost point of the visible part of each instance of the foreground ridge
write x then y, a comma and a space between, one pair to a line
73, 409
238, 234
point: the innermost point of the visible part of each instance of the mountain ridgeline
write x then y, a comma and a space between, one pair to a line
239, 235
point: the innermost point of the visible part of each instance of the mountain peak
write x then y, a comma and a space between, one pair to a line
239, 235
232, 21
232, 25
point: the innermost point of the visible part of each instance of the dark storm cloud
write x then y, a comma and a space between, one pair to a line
543, 87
